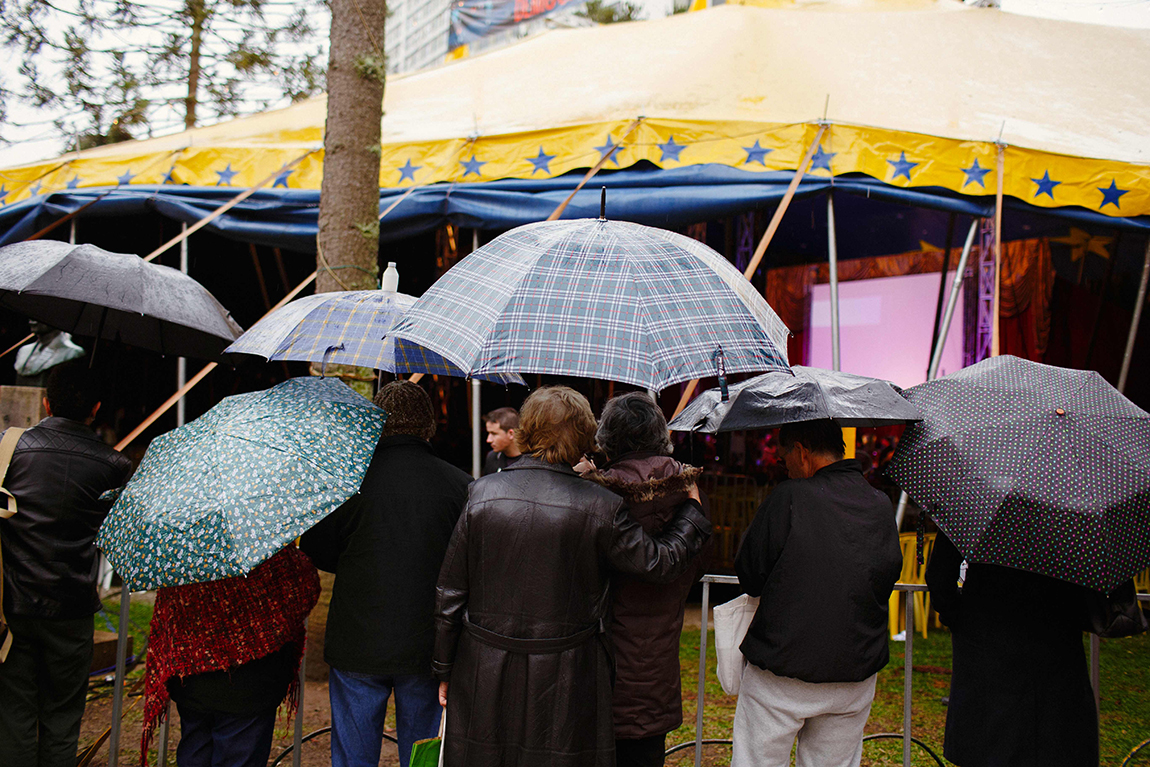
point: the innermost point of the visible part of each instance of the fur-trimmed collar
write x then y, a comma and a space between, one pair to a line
646, 490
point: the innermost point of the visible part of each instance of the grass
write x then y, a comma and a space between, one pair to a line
1124, 714
1125, 707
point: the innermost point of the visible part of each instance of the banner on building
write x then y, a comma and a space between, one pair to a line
473, 19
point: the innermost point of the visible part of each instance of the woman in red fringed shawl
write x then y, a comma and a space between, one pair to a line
228, 653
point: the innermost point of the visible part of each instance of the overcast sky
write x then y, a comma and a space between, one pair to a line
1124, 13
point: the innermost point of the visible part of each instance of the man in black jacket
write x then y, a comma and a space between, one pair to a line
823, 554
57, 474
386, 545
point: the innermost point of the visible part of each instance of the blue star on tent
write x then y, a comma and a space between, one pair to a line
1111, 195
3, 194
1045, 185
35, 189
603, 150
902, 166
282, 179
822, 159
670, 150
75, 182
406, 171
541, 161
975, 174
126, 178
756, 153
168, 177
472, 166
226, 175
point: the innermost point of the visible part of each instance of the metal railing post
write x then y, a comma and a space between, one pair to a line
162, 755
297, 740
908, 669
118, 687
702, 674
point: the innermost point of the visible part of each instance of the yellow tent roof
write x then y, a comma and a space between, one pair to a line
915, 96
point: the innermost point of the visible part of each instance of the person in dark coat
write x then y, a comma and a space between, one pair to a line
58, 472
823, 554
1020, 694
386, 546
522, 601
646, 618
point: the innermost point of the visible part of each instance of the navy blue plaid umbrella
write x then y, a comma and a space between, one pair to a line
597, 299
345, 328
1035, 467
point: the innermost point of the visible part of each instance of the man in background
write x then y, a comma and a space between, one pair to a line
501, 426
58, 471
386, 546
823, 553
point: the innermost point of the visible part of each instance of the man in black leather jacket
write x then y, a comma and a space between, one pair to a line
57, 474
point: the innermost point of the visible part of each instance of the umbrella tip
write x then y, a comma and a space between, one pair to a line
603, 203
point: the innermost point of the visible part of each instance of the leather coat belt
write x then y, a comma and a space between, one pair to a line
531, 646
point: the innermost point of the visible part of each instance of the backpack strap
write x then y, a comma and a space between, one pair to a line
7, 448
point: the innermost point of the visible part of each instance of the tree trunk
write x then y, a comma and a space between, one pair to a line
348, 255
349, 198
198, 12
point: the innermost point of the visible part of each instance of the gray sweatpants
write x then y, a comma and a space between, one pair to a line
827, 719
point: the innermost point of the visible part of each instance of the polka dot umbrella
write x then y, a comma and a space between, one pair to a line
1035, 467
216, 497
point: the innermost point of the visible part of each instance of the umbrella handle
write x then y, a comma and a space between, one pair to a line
721, 371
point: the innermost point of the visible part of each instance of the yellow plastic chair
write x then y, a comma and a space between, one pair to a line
1142, 582
922, 598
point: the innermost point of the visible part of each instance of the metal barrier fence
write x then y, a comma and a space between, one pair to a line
908, 666
707, 580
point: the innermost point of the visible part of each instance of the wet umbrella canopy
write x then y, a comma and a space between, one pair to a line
774, 399
88, 291
215, 498
597, 299
345, 328
1034, 467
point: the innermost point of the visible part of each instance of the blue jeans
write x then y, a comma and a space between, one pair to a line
359, 705
224, 740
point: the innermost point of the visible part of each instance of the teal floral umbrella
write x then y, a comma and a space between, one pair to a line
218, 496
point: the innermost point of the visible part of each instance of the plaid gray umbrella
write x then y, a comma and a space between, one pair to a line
345, 328
772, 399
597, 299
1034, 467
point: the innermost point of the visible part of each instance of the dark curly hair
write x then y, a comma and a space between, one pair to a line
632, 423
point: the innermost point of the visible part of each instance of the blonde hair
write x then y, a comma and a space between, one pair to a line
556, 425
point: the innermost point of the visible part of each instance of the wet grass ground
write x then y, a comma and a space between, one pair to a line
1125, 708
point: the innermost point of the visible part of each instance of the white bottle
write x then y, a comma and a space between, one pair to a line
390, 280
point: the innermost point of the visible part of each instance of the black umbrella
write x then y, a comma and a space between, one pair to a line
117, 296
1034, 467
775, 399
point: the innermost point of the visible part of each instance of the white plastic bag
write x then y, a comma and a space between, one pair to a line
731, 623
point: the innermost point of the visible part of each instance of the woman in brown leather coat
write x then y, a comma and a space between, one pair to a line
522, 600
646, 618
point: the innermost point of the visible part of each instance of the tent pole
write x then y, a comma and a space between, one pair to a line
833, 268
555, 214
72, 233
777, 218
1134, 320
198, 377
297, 728
995, 332
942, 280
121, 663
936, 356
768, 235
476, 427
229, 205
955, 287
182, 362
